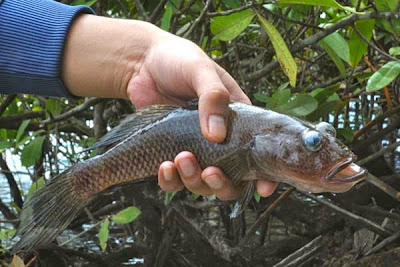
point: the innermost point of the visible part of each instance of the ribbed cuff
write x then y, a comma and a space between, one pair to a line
32, 38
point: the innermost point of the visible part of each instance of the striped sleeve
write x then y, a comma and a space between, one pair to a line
32, 37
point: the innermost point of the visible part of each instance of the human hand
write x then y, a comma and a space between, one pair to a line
134, 59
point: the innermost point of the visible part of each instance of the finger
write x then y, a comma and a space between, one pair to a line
266, 188
213, 100
190, 173
234, 89
168, 177
219, 184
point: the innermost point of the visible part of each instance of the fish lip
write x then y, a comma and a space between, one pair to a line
330, 176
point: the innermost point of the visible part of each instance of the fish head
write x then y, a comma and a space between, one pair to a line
307, 156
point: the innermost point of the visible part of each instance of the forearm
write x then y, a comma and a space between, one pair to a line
32, 36
102, 54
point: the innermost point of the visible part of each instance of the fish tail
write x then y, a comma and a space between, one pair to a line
48, 212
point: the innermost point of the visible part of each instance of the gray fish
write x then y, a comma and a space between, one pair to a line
260, 144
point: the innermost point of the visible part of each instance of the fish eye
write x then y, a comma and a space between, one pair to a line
312, 140
326, 128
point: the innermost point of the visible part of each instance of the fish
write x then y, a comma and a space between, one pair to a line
260, 144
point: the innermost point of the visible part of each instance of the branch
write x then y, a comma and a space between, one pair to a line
6, 102
89, 102
383, 244
378, 154
198, 19
261, 219
302, 254
320, 35
365, 40
157, 11
14, 189
358, 219
231, 11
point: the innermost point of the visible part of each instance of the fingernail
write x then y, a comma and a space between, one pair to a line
187, 167
168, 173
216, 126
214, 182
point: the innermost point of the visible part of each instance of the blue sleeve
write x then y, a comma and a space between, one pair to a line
32, 37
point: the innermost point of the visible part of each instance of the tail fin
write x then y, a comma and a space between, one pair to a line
48, 212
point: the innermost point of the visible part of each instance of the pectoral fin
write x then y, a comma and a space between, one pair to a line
244, 199
235, 164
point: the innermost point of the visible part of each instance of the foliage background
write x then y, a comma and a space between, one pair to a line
318, 60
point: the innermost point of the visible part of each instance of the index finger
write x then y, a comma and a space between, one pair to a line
214, 99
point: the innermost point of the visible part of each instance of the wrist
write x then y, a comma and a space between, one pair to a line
102, 54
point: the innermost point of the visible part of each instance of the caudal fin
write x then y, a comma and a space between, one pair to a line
48, 212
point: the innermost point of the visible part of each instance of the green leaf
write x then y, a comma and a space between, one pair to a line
168, 197
226, 28
83, 2
385, 75
302, 105
347, 133
257, 197
279, 98
324, 109
39, 183
357, 46
195, 196
232, 3
322, 94
103, 234
394, 51
166, 18
7, 233
283, 54
261, 97
126, 215
335, 58
324, 3
5, 144
33, 151
53, 106
386, 5
21, 129
338, 44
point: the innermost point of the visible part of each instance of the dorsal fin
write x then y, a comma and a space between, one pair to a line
133, 123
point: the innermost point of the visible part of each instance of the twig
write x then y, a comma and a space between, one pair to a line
197, 20
6, 103
157, 11
14, 189
89, 102
80, 234
367, 223
375, 121
365, 40
141, 10
378, 154
383, 243
231, 11
13, 221
31, 261
377, 212
301, 254
383, 186
261, 219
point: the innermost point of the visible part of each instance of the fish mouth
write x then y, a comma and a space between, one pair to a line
346, 172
